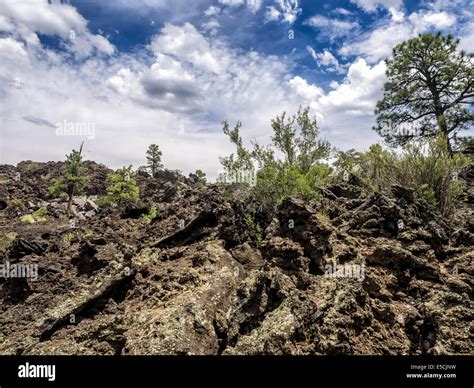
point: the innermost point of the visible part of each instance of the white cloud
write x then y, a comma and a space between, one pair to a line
359, 93
346, 113
212, 25
177, 101
332, 28
187, 44
326, 59
253, 5
52, 19
285, 11
422, 21
397, 15
378, 43
372, 5
467, 39
272, 14
308, 92
212, 10
11, 50
343, 11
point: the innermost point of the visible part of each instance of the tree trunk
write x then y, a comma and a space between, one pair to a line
69, 206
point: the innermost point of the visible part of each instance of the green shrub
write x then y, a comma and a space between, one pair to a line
254, 229
122, 187
427, 193
428, 167
41, 215
152, 214
17, 202
28, 219
69, 237
201, 177
299, 169
73, 179
432, 170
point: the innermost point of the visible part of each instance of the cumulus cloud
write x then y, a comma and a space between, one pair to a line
326, 60
332, 28
187, 44
178, 89
175, 94
212, 10
422, 21
310, 93
372, 5
346, 111
358, 94
378, 43
27, 18
285, 11
253, 5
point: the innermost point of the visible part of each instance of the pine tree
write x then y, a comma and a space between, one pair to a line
122, 187
430, 84
73, 179
154, 159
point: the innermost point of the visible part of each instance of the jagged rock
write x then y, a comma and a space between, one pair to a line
200, 278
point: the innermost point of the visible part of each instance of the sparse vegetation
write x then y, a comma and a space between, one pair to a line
301, 170
40, 215
152, 214
122, 187
18, 203
153, 157
201, 177
254, 229
428, 166
69, 237
6, 239
28, 219
73, 180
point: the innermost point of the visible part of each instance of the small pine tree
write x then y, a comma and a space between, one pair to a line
73, 179
122, 188
201, 176
154, 159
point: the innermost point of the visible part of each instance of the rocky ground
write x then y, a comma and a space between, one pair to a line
213, 274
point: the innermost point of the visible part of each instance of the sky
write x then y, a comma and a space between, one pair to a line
120, 75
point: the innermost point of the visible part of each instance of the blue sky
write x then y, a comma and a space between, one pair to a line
168, 72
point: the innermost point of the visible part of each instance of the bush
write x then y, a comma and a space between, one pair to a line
254, 229
40, 215
73, 179
433, 171
428, 167
152, 214
69, 237
299, 171
122, 187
